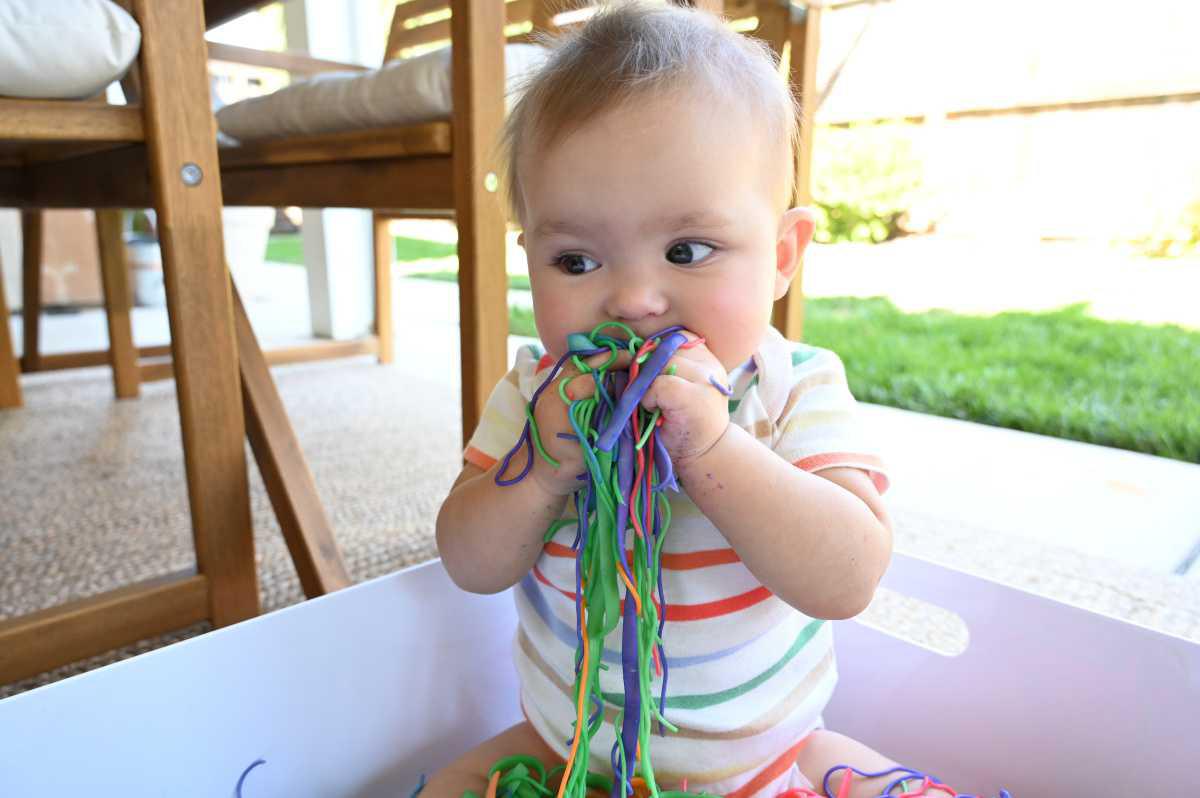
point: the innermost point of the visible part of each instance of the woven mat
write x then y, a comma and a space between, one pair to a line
94, 499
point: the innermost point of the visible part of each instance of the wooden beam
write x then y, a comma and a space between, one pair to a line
805, 38
322, 350
40, 641
119, 179
218, 12
32, 240
153, 372
78, 360
292, 63
69, 120
477, 71
111, 179
441, 30
286, 475
10, 371
407, 141
14, 188
774, 24
711, 6
114, 274
383, 287
182, 153
407, 183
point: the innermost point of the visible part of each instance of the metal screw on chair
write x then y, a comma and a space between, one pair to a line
491, 182
191, 174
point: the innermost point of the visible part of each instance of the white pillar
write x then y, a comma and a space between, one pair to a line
338, 241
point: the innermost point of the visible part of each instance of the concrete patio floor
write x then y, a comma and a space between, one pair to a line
1138, 510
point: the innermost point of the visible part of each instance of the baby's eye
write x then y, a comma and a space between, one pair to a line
686, 253
574, 263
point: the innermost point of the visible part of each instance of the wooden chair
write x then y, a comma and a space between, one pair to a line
132, 365
414, 24
410, 170
160, 152
10, 369
121, 355
415, 171
793, 31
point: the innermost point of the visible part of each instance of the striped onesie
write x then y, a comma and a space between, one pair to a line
748, 675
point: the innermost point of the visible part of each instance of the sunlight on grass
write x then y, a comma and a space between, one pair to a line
1059, 373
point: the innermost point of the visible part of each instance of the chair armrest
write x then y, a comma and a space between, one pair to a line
295, 64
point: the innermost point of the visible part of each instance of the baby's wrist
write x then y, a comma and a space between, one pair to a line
686, 461
553, 480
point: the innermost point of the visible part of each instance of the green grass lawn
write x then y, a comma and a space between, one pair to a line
289, 249
1059, 373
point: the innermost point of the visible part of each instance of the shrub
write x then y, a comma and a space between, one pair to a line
865, 179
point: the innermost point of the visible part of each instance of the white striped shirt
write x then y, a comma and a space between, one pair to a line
748, 675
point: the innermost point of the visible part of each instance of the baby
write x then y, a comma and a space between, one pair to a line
650, 164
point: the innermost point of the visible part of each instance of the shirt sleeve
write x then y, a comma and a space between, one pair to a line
503, 416
820, 426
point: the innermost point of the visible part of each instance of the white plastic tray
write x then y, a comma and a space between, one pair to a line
359, 692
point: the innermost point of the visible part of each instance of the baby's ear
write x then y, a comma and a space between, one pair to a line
521, 239
796, 228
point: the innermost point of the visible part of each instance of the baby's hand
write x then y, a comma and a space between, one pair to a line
695, 413
551, 416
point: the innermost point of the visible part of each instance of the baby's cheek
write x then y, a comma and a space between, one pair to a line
735, 325
553, 325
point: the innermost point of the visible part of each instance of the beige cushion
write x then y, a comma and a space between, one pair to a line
64, 49
403, 92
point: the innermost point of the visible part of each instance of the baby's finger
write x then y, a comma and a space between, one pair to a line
667, 392
700, 373
622, 361
698, 351
581, 385
688, 369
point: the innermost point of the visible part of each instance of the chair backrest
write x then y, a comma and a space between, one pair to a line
419, 26
422, 25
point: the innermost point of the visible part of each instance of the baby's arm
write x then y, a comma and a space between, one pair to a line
820, 543
490, 536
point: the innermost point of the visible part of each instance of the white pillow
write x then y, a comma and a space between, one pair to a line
64, 49
403, 92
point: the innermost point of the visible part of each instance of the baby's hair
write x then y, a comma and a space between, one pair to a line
631, 49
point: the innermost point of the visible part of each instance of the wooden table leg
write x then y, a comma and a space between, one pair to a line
114, 273
478, 102
183, 168
383, 287
289, 482
805, 37
32, 230
10, 369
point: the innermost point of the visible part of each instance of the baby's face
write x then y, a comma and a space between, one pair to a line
663, 212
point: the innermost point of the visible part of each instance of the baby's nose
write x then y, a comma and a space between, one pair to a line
634, 300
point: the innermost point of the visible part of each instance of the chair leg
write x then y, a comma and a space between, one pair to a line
805, 38
186, 186
383, 288
288, 480
32, 230
10, 368
114, 272
478, 102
